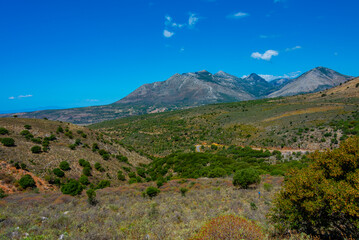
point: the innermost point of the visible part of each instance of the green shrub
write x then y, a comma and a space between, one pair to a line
322, 199
58, 172
86, 171
217, 172
99, 168
95, 147
84, 163
152, 191
103, 184
159, 183
183, 191
65, 166
28, 127
91, 196
27, 182
36, 140
59, 129
72, 146
72, 187
84, 180
3, 131
246, 177
132, 175
8, 142
26, 134
2, 193
120, 176
36, 149
268, 187
132, 180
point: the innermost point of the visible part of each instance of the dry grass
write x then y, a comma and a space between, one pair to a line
123, 213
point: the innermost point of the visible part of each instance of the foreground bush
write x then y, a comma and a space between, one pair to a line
229, 227
27, 182
152, 191
72, 187
3, 131
8, 142
246, 177
322, 199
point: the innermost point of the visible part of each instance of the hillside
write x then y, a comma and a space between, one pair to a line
188, 90
71, 144
309, 122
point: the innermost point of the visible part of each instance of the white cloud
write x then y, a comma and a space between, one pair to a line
169, 22
167, 33
269, 77
20, 96
193, 19
92, 100
24, 96
293, 48
239, 15
182, 50
265, 56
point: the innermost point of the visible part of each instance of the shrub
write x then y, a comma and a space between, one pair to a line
229, 227
8, 142
59, 129
72, 187
58, 172
120, 176
65, 166
86, 171
98, 167
152, 191
268, 187
322, 199
84, 180
27, 182
36, 149
159, 183
91, 196
2, 193
103, 184
106, 156
217, 172
26, 134
3, 131
84, 163
246, 177
36, 140
95, 147
72, 146
183, 191
132, 180
28, 127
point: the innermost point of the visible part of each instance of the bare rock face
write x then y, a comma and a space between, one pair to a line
191, 89
317, 79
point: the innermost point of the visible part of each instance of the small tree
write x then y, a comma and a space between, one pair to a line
3, 131
65, 166
91, 196
152, 191
8, 142
59, 130
86, 171
246, 177
36, 149
72, 187
27, 182
58, 172
84, 180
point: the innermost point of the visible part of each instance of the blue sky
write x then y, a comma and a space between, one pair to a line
70, 53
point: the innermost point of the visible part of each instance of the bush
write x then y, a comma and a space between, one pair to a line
159, 183
26, 134
246, 177
98, 167
59, 129
3, 131
36, 149
28, 127
58, 172
8, 142
72, 146
103, 184
183, 191
65, 166
84, 163
268, 187
152, 191
229, 227
120, 176
217, 172
91, 196
2, 193
322, 199
86, 171
84, 180
27, 182
72, 187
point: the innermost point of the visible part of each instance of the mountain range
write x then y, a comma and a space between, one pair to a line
194, 89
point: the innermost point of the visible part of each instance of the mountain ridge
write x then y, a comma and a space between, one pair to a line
193, 89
